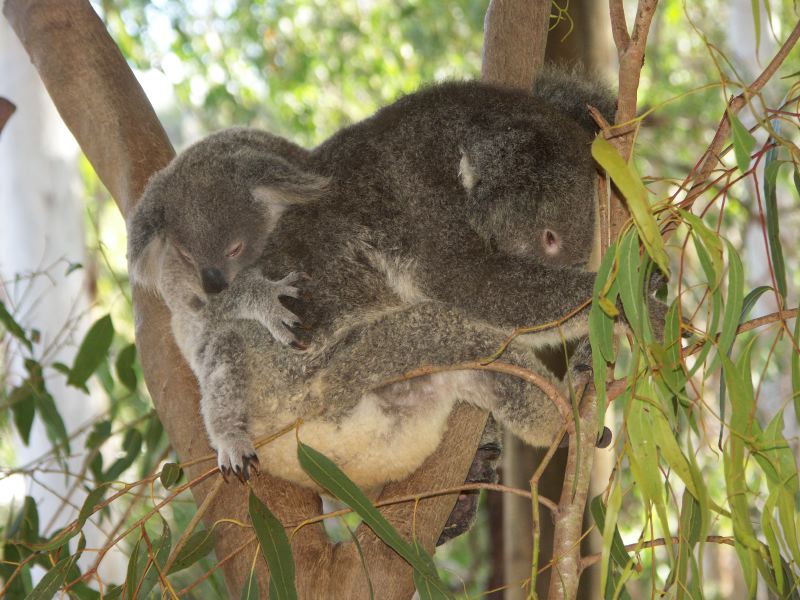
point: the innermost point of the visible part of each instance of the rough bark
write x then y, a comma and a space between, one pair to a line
108, 113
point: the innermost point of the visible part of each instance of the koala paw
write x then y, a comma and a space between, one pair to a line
275, 316
236, 454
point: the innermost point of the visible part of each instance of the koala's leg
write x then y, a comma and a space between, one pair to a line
224, 402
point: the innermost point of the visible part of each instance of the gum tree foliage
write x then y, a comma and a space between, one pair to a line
706, 441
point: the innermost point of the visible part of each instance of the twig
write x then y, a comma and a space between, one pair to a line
590, 559
711, 155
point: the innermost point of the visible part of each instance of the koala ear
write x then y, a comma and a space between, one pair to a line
292, 188
466, 172
146, 238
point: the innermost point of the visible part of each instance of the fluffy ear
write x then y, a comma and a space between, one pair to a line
466, 172
289, 188
146, 238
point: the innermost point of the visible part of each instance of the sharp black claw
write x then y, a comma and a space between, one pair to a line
298, 345
224, 471
583, 368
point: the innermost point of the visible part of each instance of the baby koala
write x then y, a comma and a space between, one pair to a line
217, 212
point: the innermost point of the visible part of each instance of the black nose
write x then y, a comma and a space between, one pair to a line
213, 280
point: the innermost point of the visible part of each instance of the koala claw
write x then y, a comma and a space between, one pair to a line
236, 455
274, 315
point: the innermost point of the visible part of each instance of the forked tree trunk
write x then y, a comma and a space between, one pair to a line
107, 111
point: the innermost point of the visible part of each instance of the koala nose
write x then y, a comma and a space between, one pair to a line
213, 280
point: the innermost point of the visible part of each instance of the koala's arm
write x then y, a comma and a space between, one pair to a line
253, 296
509, 292
223, 377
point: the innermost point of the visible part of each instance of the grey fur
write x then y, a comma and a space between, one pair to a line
424, 229
204, 203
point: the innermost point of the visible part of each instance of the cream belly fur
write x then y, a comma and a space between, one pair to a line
386, 437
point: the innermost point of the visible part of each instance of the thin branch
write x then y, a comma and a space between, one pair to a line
711, 156
590, 559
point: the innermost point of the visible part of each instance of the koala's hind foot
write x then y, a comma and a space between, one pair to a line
236, 454
258, 298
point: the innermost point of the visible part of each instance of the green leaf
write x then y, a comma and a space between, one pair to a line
795, 368
743, 142
23, 408
132, 576
250, 587
327, 475
618, 552
630, 288
93, 351
132, 445
773, 217
159, 555
124, 367
13, 327
426, 588
275, 547
755, 6
101, 431
53, 423
199, 544
94, 498
631, 186
734, 302
601, 329
170, 474
52, 580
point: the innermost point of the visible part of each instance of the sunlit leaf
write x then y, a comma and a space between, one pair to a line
275, 547
629, 280
631, 186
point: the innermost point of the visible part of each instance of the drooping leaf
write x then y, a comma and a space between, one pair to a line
327, 475
275, 548
13, 327
601, 330
743, 142
425, 587
250, 587
23, 409
132, 445
92, 352
52, 580
158, 556
773, 217
199, 544
124, 367
629, 278
631, 186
